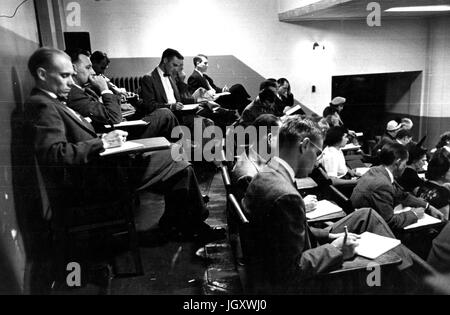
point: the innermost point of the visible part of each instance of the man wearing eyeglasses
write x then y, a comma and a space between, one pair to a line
285, 250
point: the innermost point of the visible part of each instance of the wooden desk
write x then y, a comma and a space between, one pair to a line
331, 217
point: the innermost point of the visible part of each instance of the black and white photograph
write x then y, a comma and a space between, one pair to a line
230, 154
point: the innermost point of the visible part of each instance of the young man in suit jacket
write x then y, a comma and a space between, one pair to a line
286, 249
105, 109
379, 190
67, 149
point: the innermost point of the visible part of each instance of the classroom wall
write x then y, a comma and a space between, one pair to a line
18, 38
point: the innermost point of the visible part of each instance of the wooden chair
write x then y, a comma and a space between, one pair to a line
112, 218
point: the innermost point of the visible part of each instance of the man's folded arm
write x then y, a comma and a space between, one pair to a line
148, 94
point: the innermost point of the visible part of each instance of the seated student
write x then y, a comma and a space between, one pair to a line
256, 155
68, 150
392, 128
417, 162
285, 99
100, 62
286, 250
105, 109
444, 141
439, 257
379, 190
403, 137
336, 107
333, 159
263, 104
199, 79
436, 189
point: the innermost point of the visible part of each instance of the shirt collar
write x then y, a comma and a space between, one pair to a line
161, 73
391, 176
51, 94
199, 72
286, 166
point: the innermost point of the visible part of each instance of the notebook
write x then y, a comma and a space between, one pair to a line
426, 220
129, 123
324, 207
293, 110
190, 107
361, 170
127, 146
372, 245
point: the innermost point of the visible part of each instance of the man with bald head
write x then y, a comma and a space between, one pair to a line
68, 150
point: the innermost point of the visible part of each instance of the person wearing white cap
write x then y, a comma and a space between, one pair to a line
392, 128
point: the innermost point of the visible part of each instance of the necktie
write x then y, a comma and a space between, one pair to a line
166, 74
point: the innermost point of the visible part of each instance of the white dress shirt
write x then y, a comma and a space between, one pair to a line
170, 94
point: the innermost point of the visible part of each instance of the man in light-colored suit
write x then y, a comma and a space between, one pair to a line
286, 249
378, 190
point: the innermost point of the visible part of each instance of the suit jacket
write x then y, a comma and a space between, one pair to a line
153, 93
375, 190
253, 111
439, 257
67, 151
196, 80
286, 249
89, 105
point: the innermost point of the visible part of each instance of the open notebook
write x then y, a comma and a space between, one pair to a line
426, 220
324, 207
127, 146
372, 245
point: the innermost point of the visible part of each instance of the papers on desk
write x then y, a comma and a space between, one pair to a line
217, 95
421, 176
372, 245
426, 220
351, 146
190, 107
127, 146
129, 123
293, 110
324, 207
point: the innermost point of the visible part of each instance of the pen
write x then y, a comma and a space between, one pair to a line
346, 234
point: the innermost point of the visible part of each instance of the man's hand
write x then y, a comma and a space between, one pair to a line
176, 106
114, 139
347, 249
99, 82
419, 212
436, 213
310, 203
225, 89
333, 237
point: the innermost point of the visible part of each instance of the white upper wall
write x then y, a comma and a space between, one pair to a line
250, 31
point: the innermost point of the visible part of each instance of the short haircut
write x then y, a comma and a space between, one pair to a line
392, 152
329, 110
439, 164
334, 135
294, 130
74, 54
266, 120
267, 95
170, 53
402, 134
267, 84
416, 153
282, 81
198, 59
443, 139
42, 58
99, 56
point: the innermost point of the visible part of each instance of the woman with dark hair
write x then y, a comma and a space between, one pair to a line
436, 189
284, 91
333, 160
417, 162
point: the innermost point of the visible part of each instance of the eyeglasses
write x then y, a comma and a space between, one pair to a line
319, 150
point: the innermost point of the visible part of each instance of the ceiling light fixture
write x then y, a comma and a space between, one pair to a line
426, 8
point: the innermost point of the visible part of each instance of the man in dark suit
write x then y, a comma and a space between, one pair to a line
263, 104
237, 98
379, 190
105, 109
67, 149
286, 250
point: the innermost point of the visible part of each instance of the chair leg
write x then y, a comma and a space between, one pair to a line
134, 248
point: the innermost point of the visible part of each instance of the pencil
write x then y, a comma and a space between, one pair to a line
346, 234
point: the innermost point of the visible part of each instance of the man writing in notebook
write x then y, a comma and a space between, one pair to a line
286, 249
379, 190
